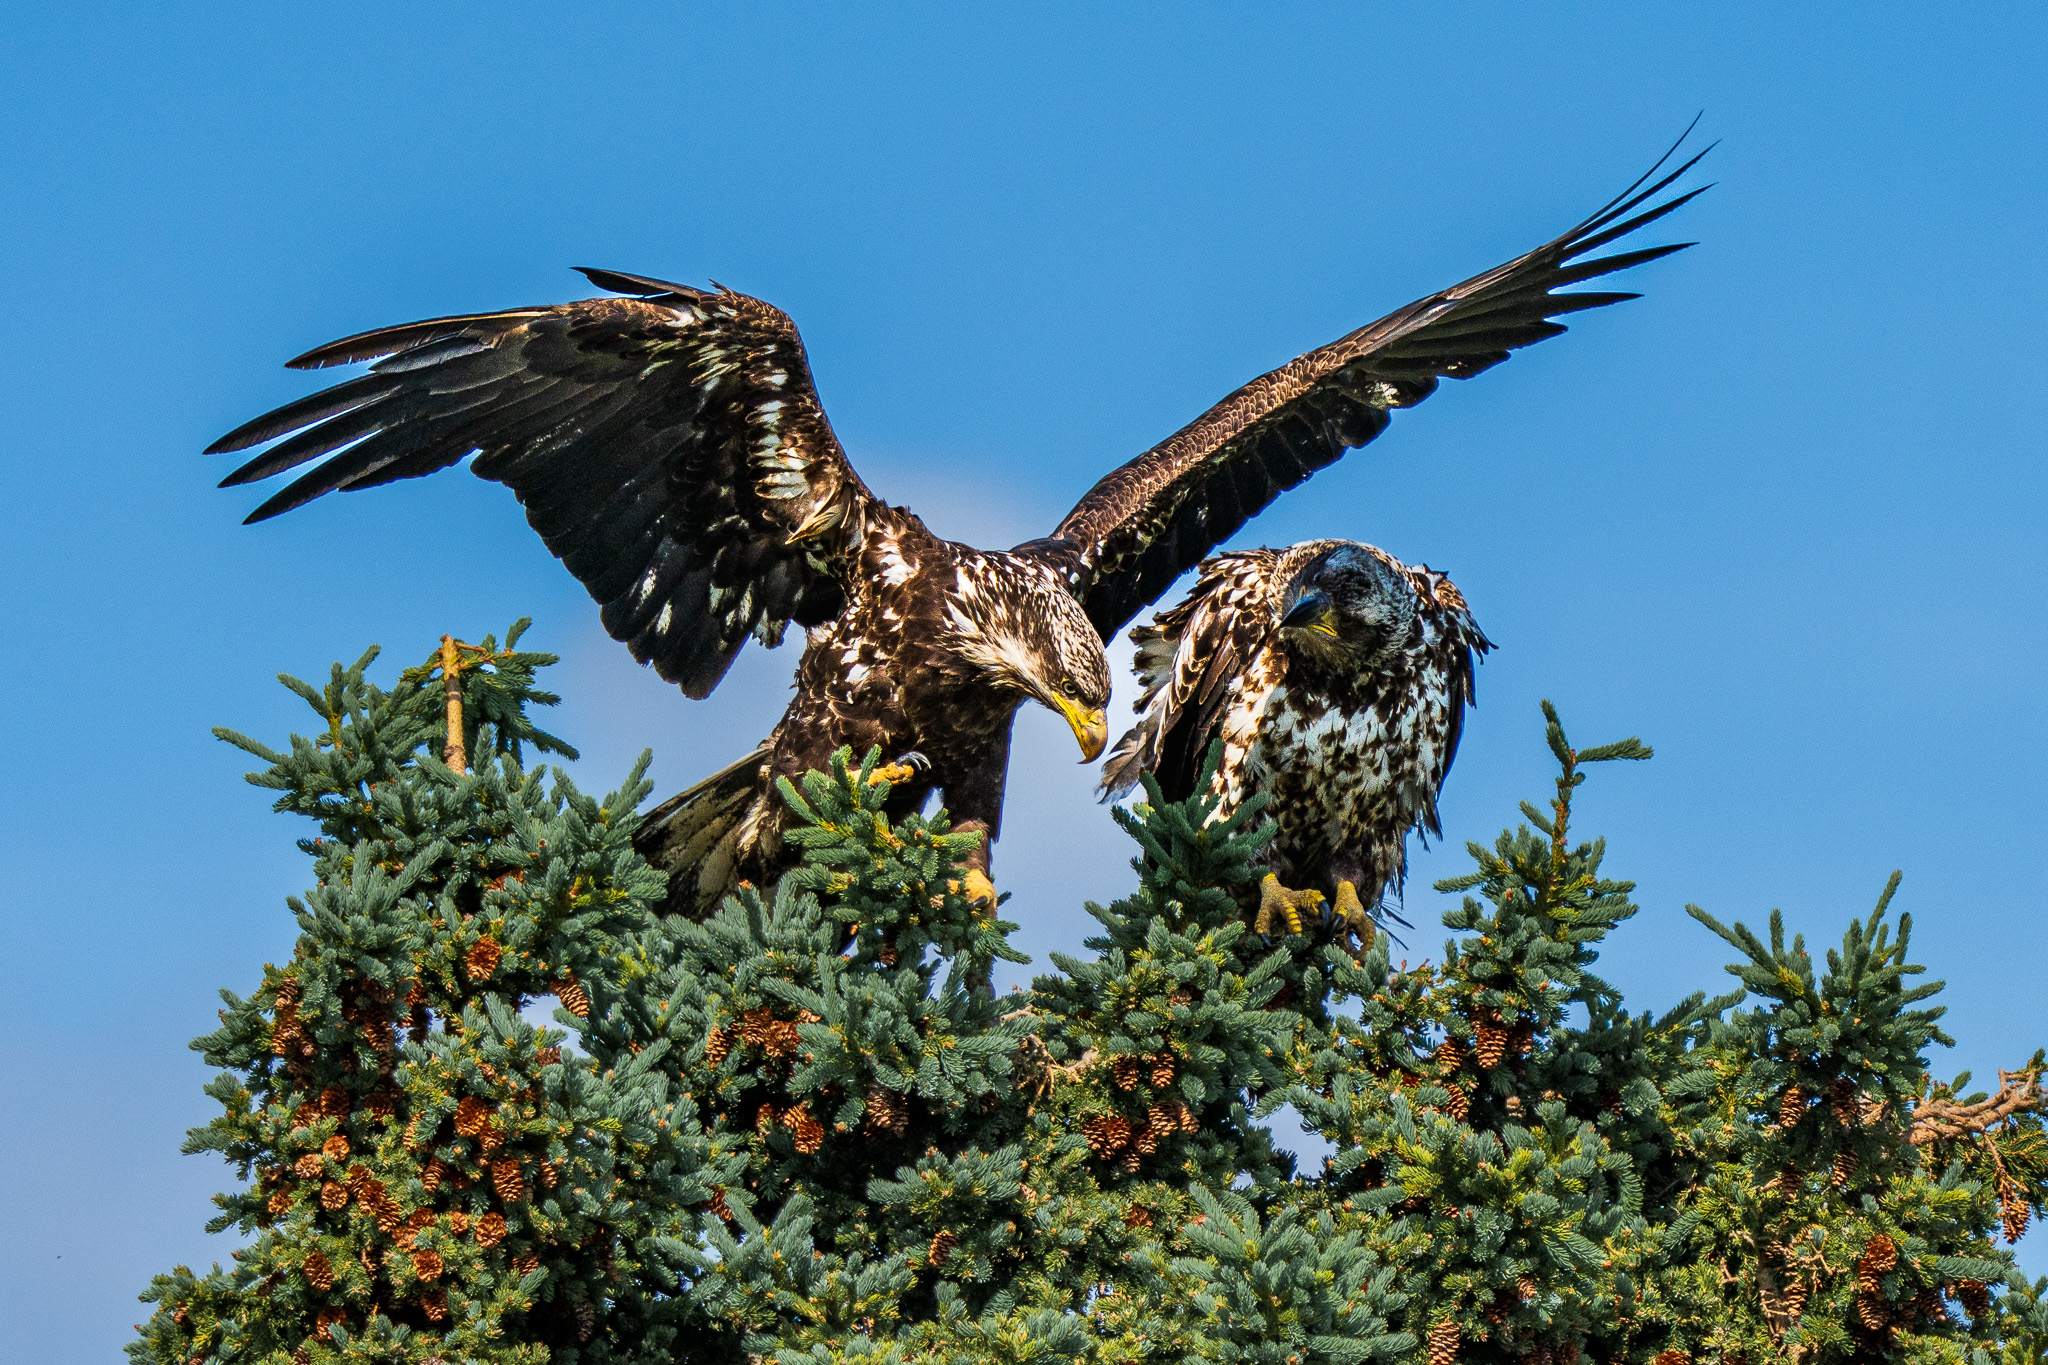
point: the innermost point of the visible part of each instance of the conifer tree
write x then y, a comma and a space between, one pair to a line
804, 1128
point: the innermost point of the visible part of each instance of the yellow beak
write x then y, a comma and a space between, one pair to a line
1091, 728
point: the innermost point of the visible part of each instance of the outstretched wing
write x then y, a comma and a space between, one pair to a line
1204, 660
1149, 521
669, 448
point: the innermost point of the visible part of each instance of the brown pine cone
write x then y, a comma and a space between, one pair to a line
1106, 1133
550, 1174
1880, 1254
1522, 1038
508, 1180
1162, 1070
426, 1263
1846, 1164
382, 1102
333, 1195
335, 1148
1873, 1312
574, 998
1451, 1055
483, 959
716, 1045
309, 1166
754, 1026
458, 1222
325, 1319
490, 1229
1459, 1104
319, 1274
941, 1247
718, 1206
430, 1178
2013, 1210
280, 1203
806, 1132
781, 1039
1137, 1216
1844, 1103
472, 1116
1791, 1107
887, 1111
1492, 1049
1124, 1071
1443, 1338
1673, 1357
525, 1263
434, 1303
1145, 1140
586, 1319
1975, 1297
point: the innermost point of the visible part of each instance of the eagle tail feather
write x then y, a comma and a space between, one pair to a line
686, 835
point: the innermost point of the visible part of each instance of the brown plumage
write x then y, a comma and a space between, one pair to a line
1336, 678
670, 449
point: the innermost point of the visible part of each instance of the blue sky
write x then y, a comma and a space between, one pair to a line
1782, 517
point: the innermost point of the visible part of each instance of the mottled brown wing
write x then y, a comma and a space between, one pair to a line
1149, 521
1193, 662
669, 448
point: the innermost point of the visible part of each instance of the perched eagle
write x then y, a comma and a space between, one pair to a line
1336, 677
670, 449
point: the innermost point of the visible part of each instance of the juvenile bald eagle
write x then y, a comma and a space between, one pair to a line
670, 449
1336, 677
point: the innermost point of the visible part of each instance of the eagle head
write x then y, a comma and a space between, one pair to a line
1016, 619
1348, 605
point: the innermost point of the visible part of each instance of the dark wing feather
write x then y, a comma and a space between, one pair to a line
669, 448
1149, 521
1193, 661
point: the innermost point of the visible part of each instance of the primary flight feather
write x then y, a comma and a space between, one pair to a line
670, 449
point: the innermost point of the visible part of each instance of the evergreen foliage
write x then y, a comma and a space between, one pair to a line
805, 1128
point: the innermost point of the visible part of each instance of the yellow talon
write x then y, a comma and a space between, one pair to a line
1275, 897
892, 773
975, 885
1353, 912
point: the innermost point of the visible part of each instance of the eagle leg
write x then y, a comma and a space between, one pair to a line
1274, 897
1352, 911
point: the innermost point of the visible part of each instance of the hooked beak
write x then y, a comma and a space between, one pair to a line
1091, 728
1313, 612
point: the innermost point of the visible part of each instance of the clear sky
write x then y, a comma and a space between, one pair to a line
1782, 517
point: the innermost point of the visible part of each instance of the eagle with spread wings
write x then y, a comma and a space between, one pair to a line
670, 448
